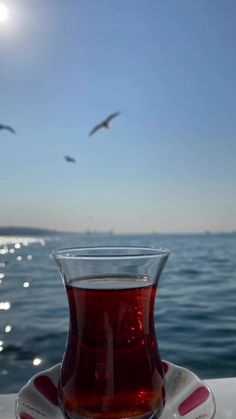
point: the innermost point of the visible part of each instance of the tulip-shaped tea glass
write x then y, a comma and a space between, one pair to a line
111, 367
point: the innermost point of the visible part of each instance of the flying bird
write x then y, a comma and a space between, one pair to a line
70, 159
6, 127
104, 124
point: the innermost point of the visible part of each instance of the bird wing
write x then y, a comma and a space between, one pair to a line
11, 130
8, 128
113, 115
96, 128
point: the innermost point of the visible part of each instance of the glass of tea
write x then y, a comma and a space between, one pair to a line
111, 366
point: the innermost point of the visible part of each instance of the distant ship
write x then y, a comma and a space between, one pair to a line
103, 233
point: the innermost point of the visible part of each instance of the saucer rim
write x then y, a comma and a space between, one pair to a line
169, 363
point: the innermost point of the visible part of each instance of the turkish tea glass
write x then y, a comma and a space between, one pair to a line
111, 366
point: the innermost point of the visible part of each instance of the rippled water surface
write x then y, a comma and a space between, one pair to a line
195, 311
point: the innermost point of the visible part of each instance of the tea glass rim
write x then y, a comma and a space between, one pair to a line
138, 252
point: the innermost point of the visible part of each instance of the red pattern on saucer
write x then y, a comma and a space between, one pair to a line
199, 396
47, 388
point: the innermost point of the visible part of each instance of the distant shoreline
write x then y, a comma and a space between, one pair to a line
37, 231
27, 231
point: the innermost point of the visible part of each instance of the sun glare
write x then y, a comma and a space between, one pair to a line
4, 13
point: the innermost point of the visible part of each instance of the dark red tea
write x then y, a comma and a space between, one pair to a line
111, 368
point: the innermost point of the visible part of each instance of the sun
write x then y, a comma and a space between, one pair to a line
4, 13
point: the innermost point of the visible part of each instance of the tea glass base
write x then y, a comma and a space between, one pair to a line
149, 415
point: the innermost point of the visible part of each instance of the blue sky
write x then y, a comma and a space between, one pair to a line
168, 163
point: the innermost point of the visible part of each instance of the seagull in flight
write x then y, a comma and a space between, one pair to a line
70, 159
6, 127
104, 124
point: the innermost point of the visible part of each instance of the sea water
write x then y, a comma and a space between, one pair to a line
195, 312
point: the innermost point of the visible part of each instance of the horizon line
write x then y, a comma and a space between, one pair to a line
113, 232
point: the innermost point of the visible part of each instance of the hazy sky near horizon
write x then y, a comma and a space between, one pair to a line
168, 163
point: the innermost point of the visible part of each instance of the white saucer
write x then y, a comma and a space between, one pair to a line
187, 396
